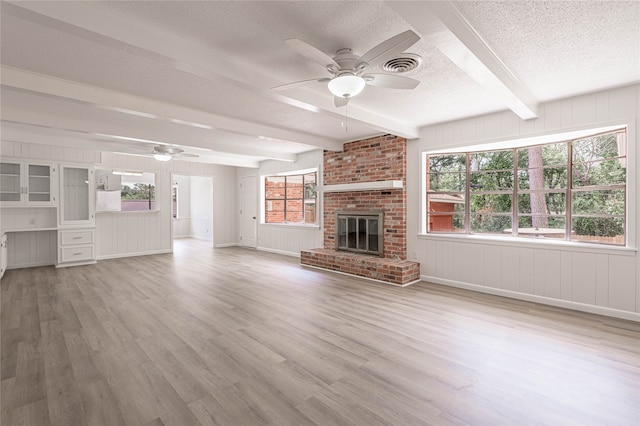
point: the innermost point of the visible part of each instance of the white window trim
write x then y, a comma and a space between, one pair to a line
263, 213
632, 212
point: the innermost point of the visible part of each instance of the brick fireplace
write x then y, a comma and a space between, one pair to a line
368, 175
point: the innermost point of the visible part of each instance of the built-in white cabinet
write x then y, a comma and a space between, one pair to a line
77, 196
27, 184
76, 246
76, 233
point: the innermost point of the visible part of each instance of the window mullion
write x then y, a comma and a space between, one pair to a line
569, 193
285, 199
467, 196
514, 202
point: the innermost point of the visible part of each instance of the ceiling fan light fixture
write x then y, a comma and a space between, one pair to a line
162, 156
346, 85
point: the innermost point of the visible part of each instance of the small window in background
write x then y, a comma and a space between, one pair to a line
291, 199
138, 193
174, 200
125, 191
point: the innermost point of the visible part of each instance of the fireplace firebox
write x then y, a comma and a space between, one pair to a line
360, 232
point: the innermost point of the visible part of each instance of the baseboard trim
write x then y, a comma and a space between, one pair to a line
576, 306
140, 253
32, 265
226, 245
283, 252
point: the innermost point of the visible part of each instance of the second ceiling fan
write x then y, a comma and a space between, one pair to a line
348, 71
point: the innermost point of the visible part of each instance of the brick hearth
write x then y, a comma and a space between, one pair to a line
376, 159
400, 272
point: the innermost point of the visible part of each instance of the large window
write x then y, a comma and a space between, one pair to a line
572, 190
291, 198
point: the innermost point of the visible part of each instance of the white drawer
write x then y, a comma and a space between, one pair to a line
76, 237
76, 254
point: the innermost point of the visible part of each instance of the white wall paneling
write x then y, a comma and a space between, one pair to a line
286, 239
591, 278
201, 207
35, 248
28, 217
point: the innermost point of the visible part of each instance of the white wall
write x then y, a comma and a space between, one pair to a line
201, 207
286, 239
121, 234
182, 224
590, 278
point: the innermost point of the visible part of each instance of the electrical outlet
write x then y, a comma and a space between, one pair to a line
32, 221
415, 255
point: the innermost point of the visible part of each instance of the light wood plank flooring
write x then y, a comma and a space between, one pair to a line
238, 337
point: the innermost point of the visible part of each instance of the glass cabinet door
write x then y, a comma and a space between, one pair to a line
10, 188
39, 183
75, 196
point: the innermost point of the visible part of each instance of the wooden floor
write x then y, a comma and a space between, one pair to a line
237, 337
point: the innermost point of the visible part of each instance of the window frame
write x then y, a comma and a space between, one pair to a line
303, 200
127, 177
624, 155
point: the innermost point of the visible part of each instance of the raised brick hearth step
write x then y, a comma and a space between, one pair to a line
399, 272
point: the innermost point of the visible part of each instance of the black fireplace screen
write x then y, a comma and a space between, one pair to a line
360, 232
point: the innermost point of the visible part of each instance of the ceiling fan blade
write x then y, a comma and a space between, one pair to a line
310, 52
339, 101
300, 83
390, 48
186, 154
391, 81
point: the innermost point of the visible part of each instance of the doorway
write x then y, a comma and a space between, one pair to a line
192, 207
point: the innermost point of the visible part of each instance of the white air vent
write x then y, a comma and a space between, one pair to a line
407, 62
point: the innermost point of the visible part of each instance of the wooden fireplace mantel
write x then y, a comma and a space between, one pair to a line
363, 186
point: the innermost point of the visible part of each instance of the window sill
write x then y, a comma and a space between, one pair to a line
532, 243
291, 225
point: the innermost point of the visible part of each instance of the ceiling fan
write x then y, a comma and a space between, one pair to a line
348, 70
166, 153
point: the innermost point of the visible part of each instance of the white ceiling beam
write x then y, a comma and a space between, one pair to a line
444, 26
97, 97
187, 56
14, 132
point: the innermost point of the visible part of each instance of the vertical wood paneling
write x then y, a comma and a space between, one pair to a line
509, 270
31, 248
526, 270
553, 116
602, 280
510, 123
622, 288
565, 275
594, 278
437, 259
449, 260
427, 259
583, 278
539, 272
602, 107
566, 108
466, 265
493, 265
584, 110
551, 269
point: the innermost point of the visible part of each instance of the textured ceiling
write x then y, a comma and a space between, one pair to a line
213, 63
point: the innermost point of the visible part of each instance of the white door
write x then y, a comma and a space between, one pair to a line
248, 211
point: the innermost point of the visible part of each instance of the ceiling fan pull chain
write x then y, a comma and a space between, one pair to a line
346, 118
